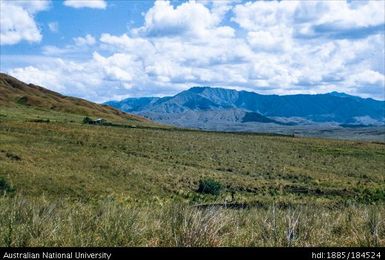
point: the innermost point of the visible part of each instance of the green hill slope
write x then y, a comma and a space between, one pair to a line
15, 92
68, 183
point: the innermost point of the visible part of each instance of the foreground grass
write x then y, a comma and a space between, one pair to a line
111, 223
69, 184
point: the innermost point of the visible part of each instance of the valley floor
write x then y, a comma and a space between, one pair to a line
321, 130
70, 184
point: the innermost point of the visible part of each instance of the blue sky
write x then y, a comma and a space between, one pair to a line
104, 49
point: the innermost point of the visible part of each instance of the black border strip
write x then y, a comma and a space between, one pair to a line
112, 253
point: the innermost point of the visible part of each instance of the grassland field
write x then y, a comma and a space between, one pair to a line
64, 183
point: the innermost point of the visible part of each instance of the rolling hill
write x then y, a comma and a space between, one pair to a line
17, 93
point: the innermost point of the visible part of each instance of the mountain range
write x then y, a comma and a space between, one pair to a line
225, 109
331, 115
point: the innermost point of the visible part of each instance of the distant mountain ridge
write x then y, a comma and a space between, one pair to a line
205, 106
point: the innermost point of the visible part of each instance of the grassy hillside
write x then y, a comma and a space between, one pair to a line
132, 182
14, 92
138, 186
84, 161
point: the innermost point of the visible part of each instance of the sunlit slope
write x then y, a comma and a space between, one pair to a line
17, 93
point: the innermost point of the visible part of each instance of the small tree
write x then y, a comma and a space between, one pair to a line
87, 120
210, 186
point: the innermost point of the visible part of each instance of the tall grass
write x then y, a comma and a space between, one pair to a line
63, 183
40, 222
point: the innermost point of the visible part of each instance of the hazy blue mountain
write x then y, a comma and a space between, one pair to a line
132, 104
205, 106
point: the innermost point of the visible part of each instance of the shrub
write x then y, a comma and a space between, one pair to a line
40, 120
23, 100
87, 120
372, 196
12, 156
5, 187
209, 186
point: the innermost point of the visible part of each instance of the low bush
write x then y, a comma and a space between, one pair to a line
372, 196
5, 187
209, 186
87, 120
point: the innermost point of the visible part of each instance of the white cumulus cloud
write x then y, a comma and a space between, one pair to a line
86, 40
96, 4
18, 23
271, 47
191, 19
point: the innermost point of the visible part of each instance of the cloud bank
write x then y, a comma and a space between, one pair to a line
271, 47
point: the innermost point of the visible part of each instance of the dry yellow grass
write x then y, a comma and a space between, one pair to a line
39, 222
